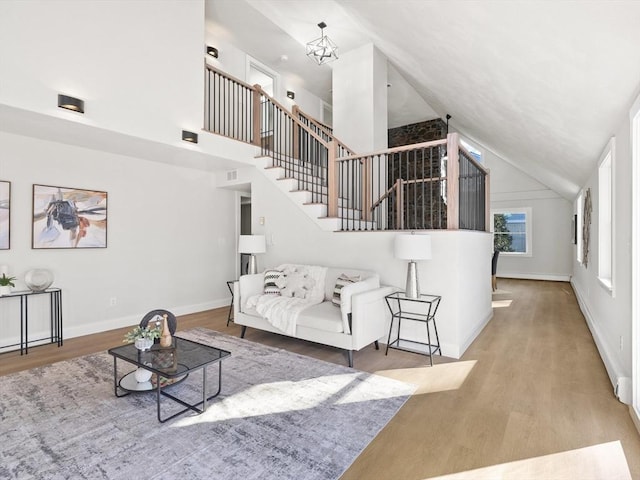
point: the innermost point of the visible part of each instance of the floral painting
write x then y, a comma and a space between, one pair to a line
5, 214
69, 218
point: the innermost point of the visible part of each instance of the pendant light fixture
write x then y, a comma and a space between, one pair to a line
322, 50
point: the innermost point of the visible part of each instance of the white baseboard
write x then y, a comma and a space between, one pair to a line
552, 277
473, 335
621, 384
635, 416
129, 320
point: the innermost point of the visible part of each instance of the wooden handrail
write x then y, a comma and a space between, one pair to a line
296, 110
405, 182
404, 148
226, 75
297, 121
323, 127
384, 196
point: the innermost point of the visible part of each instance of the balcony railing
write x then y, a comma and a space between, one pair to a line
413, 187
432, 185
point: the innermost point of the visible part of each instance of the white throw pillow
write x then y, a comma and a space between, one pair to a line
270, 282
342, 281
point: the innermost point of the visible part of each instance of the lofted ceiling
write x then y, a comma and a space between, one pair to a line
542, 84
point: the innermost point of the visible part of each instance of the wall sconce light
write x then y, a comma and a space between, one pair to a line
213, 51
189, 136
291, 94
71, 103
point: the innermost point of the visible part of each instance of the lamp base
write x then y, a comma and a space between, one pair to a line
412, 290
253, 265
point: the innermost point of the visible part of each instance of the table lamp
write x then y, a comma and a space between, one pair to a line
252, 244
412, 247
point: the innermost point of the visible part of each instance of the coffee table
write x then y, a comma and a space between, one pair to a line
170, 365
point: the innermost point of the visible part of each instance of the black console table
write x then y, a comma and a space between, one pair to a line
422, 309
55, 317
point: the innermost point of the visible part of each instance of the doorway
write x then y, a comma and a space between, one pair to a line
245, 229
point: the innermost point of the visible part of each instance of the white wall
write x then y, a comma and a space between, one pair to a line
360, 99
137, 65
234, 61
460, 269
551, 228
609, 316
171, 237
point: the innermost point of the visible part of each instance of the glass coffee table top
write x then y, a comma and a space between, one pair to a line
181, 358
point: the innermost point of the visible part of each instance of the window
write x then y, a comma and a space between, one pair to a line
512, 231
475, 153
605, 216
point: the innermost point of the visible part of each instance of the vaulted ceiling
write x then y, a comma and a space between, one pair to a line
543, 84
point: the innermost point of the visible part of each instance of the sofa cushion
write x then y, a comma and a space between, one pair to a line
323, 316
271, 278
334, 272
342, 281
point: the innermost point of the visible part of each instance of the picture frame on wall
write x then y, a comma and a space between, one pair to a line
68, 218
5, 215
574, 229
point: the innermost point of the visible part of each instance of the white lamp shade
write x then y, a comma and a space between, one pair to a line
252, 244
412, 246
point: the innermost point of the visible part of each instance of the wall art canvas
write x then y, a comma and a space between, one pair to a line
5, 214
69, 218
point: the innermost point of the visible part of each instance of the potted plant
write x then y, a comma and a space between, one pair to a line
6, 283
143, 337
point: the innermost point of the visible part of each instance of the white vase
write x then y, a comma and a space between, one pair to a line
143, 344
142, 375
5, 290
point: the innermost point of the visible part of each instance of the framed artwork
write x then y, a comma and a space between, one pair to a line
68, 218
5, 215
586, 227
574, 229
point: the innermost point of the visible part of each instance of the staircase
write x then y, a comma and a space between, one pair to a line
289, 181
430, 185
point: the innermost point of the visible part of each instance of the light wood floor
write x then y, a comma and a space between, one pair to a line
531, 384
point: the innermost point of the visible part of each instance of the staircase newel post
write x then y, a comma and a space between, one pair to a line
332, 181
453, 204
256, 115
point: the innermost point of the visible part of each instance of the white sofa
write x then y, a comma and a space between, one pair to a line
360, 320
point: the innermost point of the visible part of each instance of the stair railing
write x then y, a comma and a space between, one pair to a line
230, 107
431, 185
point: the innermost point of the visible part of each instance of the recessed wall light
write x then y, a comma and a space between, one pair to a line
213, 51
188, 136
291, 94
70, 103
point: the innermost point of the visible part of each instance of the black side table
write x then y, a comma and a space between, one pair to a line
230, 287
422, 309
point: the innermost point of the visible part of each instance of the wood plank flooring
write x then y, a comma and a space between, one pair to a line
531, 384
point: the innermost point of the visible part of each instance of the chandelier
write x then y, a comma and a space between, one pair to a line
322, 50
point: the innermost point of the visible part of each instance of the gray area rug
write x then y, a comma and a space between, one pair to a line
280, 415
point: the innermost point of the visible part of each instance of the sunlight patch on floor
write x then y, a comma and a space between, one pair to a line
439, 378
288, 396
501, 303
606, 460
